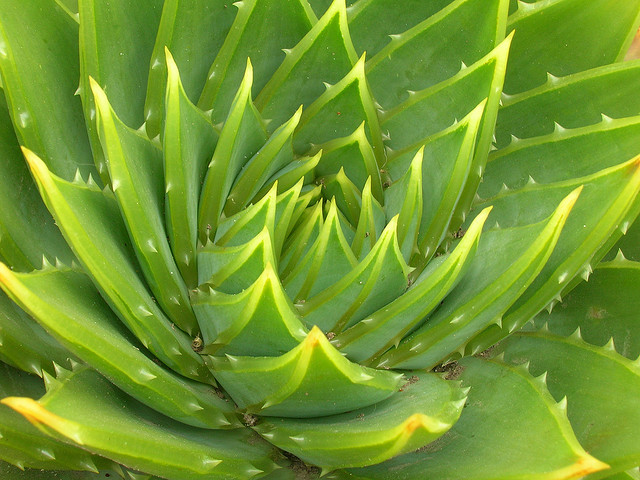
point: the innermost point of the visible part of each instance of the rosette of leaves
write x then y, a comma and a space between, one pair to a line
279, 239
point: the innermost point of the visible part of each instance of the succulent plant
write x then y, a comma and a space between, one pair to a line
281, 239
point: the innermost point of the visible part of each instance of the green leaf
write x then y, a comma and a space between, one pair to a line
377, 280
423, 410
301, 169
135, 169
258, 321
276, 154
372, 22
371, 222
441, 49
194, 31
576, 152
70, 6
493, 439
10, 472
242, 136
325, 54
84, 408
629, 243
90, 221
187, 145
374, 335
24, 445
436, 108
447, 159
338, 112
603, 308
327, 261
247, 223
494, 282
118, 60
606, 205
276, 27
39, 76
301, 239
27, 231
613, 388
66, 304
233, 269
567, 36
116, 42
311, 380
25, 344
404, 200
362, 163
611, 91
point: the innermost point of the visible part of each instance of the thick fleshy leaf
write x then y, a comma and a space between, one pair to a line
248, 223
493, 439
119, 63
194, 31
432, 110
301, 239
447, 159
14, 473
424, 409
371, 222
25, 344
597, 219
27, 231
600, 311
277, 28
135, 169
22, 444
404, 199
242, 136
233, 269
339, 111
276, 154
396, 70
258, 321
39, 76
561, 36
492, 284
609, 90
568, 365
377, 280
628, 244
91, 224
576, 153
372, 336
311, 380
84, 408
373, 22
187, 145
328, 259
67, 305
325, 54
362, 163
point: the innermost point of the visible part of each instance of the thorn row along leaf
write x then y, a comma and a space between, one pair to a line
308, 238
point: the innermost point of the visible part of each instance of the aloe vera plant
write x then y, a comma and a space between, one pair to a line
284, 239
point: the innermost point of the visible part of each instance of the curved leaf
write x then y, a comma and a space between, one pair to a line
424, 409
46, 115
567, 36
85, 409
493, 439
67, 305
311, 380
571, 366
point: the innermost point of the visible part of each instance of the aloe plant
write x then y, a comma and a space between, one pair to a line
285, 239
